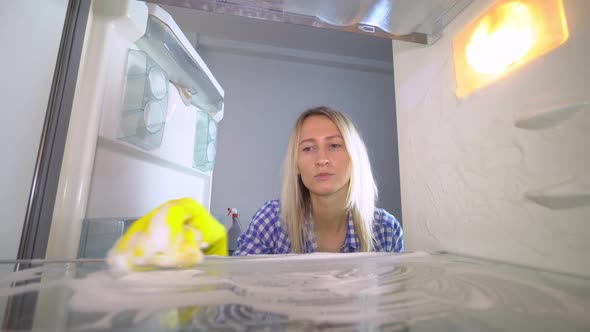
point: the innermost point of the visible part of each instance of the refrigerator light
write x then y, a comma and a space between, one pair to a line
493, 47
507, 35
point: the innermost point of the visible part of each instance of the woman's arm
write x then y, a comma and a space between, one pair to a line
389, 231
259, 236
398, 237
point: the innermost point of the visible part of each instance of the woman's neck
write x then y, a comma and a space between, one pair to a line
329, 212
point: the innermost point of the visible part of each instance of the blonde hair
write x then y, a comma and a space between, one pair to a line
362, 190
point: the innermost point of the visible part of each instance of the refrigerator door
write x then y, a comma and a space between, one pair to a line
131, 138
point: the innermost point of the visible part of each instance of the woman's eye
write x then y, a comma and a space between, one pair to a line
335, 146
307, 149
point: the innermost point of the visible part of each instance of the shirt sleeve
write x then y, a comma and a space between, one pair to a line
392, 232
398, 237
258, 239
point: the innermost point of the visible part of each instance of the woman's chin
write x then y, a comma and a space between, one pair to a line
324, 190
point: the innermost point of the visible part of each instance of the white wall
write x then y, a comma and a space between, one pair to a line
466, 168
28, 60
264, 96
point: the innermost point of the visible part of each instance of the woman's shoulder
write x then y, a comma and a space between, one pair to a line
273, 204
270, 210
385, 219
388, 231
267, 220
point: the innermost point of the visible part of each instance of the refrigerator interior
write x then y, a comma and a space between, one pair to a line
518, 175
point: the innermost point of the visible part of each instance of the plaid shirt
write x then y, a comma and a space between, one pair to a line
265, 234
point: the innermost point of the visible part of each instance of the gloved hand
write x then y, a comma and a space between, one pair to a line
174, 234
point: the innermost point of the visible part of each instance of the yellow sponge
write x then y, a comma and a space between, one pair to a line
174, 235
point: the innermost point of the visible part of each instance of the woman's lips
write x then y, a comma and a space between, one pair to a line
323, 176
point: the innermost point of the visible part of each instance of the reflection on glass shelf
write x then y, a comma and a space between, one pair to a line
184, 67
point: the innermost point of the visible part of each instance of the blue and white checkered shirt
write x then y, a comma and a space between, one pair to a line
265, 234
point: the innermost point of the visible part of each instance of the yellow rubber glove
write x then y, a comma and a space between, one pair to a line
175, 234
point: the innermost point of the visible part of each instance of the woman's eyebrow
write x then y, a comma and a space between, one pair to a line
312, 140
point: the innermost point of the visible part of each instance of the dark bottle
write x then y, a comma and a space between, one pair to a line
234, 231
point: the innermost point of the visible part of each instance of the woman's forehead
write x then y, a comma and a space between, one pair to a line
319, 125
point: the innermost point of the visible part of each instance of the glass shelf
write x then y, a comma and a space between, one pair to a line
165, 43
417, 21
344, 292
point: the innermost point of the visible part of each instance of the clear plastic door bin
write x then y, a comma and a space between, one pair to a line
145, 103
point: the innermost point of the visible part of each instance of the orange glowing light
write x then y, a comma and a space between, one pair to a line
508, 34
508, 41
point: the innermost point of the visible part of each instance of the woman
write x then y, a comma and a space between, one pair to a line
328, 197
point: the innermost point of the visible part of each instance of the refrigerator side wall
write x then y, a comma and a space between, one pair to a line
29, 58
473, 180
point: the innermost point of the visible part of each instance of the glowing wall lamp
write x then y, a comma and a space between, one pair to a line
508, 34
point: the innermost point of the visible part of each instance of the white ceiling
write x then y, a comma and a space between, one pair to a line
284, 35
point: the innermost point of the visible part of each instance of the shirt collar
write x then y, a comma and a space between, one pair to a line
351, 240
311, 242
310, 239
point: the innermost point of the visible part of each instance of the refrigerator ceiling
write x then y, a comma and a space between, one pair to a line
418, 21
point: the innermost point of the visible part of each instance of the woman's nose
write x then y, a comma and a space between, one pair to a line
322, 158
322, 162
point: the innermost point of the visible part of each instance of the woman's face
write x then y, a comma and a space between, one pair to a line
323, 160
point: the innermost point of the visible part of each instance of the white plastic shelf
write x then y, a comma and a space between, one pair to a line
168, 46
